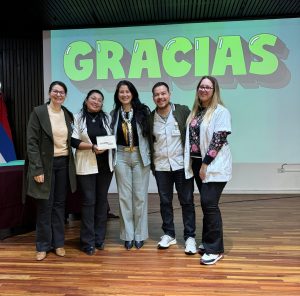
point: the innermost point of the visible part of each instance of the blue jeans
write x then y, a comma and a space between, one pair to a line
185, 188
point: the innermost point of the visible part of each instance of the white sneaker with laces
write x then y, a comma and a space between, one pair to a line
208, 259
166, 241
190, 246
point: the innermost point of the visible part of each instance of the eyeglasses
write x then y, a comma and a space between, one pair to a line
57, 92
206, 88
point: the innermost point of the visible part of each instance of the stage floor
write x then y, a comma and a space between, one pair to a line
262, 256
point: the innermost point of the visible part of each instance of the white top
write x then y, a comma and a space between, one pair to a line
220, 169
168, 150
85, 160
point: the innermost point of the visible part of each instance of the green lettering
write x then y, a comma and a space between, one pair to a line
144, 56
75, 49
229, 52
109, 55
269, 61
173, 67
201, 56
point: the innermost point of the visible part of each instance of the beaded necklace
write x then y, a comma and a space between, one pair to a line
127, 126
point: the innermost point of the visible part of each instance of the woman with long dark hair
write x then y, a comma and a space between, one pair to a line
94, 169
132, 163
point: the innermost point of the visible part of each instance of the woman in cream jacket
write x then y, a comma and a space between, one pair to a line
94, 169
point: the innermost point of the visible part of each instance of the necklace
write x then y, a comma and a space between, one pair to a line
200, 114
127, 126
93, 118
124, 117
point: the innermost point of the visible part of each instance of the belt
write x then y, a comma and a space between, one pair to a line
129, 149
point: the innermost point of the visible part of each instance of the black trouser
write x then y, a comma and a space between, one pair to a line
94, 189
210, 193
50, 224
184, 187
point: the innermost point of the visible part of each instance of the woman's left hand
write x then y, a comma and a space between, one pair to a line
202, 172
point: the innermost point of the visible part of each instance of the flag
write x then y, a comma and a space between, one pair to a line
7, 149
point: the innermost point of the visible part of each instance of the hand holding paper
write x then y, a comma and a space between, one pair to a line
106, 142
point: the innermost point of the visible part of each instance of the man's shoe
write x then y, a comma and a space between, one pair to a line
190, 246
209, 259
128, 245
139, 244
166, 241
40, 256
89, 250
60, 252
100, 246
112, 216
201, 249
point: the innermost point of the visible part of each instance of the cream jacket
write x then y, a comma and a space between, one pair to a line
85, 160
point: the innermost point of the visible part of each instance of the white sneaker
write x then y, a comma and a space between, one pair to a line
190, 246
201, 249
208, 259
166, 241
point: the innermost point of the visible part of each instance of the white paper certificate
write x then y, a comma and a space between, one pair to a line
106, 142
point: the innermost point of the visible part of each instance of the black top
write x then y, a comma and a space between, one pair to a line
95, 128
120, 135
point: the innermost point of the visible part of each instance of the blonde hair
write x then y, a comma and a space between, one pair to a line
215, 100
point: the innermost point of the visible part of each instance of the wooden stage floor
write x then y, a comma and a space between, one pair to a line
262, 256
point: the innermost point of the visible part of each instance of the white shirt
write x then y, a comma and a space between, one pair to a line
168, 150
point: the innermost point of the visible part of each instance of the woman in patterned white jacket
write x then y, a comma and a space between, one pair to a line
208, 158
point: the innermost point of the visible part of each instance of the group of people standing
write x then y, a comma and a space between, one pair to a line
176, 144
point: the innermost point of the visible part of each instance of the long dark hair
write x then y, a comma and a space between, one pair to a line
102, 115
141, 111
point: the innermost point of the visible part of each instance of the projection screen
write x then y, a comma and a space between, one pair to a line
256, 63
